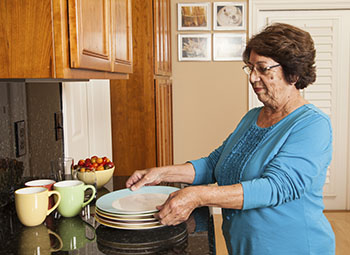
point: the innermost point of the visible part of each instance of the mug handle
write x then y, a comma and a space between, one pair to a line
59, 240
92, 195
54, 192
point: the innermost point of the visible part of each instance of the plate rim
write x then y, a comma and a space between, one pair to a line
102, 222
136, 216
125, 192
129, 224
124, 219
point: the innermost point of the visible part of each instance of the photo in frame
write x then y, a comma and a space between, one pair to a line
229, 16
194, 16
194, 47
228, 46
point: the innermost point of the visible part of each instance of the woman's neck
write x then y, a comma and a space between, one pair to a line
271, 114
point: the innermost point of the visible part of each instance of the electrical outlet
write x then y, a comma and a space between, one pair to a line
20, 137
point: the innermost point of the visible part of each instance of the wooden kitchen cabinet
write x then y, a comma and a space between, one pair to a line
65, 39
141, 106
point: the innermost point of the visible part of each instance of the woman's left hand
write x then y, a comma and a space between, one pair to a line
179, 206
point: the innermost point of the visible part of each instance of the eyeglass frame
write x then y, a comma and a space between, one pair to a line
263, 71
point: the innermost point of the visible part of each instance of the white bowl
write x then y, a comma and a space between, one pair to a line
102, 177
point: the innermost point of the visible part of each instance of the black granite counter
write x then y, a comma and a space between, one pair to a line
83, 235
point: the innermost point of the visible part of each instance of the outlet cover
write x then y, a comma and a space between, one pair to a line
20, 137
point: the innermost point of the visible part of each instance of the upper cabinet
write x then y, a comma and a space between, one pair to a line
74, 39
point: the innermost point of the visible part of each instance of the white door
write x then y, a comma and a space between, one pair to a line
86, 119
330, 30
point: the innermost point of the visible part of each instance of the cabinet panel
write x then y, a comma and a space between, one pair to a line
89, 31
164, 122
25, 39
156, 35
122, 35
167, 37
162, 37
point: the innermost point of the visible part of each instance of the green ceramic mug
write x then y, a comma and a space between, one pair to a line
72, 197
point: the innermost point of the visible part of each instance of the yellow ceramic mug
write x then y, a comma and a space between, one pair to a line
36, 240
32, 204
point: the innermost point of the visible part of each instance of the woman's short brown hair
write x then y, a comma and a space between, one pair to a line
291, 47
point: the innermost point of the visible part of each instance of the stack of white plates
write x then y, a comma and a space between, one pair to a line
132, 210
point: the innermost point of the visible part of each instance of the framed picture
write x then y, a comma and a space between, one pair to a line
229, 16
193, 16
228, 46
194, 47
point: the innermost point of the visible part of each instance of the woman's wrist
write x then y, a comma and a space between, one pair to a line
177, 173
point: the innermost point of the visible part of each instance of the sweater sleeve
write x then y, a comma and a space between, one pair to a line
300, 165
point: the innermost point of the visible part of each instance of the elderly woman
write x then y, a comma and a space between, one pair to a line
271, 170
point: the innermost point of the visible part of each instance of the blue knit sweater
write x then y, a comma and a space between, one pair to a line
282, 169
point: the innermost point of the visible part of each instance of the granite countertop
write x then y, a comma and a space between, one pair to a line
83, 235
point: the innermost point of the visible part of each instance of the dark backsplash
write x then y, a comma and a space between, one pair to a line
27, 125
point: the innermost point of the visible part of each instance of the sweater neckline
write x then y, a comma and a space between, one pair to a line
280, 121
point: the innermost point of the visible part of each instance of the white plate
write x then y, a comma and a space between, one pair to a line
127, 216
129, 224
118, 226
125, 219
141, 201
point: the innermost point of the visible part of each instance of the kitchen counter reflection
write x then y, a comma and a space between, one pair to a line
83, 235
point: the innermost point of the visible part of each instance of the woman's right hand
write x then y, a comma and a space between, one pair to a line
147, 177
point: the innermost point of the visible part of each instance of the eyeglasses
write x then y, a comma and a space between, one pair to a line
248, 69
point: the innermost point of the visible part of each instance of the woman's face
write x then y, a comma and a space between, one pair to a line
269, 85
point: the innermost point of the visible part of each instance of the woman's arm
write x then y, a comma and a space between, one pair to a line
181, 203
176, 173
300, 166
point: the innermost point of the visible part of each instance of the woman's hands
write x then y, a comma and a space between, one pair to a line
179, 206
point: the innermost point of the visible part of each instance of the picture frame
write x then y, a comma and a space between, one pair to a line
194, 16
229, 16
228, 46
194, 47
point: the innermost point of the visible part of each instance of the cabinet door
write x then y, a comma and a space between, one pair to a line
89, 32
164, 122
162, 37
122, 36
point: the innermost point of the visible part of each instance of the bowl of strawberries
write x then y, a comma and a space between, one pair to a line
95, 170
